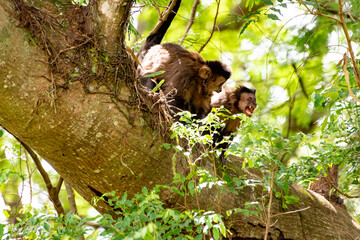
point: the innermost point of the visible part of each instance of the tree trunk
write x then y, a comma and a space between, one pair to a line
102, 142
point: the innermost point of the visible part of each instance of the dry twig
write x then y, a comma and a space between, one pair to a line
346, 73
53, 191
213, 29
191, 21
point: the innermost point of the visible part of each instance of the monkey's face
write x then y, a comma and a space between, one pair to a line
214, 84
247, 103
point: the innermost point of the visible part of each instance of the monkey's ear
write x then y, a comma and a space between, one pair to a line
205, 72
233, 98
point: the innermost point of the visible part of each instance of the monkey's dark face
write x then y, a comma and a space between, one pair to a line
247, 103
214, 84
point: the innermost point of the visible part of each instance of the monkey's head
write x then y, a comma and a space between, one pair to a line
213, 74
243, 100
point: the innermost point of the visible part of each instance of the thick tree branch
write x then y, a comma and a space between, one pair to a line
114, 15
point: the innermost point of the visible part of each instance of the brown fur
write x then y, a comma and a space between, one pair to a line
192, 78
236, 101
239, 100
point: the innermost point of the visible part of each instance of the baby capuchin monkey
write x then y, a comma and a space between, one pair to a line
189, 79
239, 100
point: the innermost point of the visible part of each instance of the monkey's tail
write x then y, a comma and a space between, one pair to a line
158, 33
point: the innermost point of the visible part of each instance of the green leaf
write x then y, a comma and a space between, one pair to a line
32, 235
167, 146
267, 2
154, 74
200, 236
216, 233
229, 181
278, 194
56, 237
2, 226
250, 162
291, 199
157, 87
46, 226
74, 75
7, 215
191, 184
124, 197
182, 178
245, 26
276, 10
309, 3
273, 16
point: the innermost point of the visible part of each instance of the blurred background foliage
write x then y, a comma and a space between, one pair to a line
290, 56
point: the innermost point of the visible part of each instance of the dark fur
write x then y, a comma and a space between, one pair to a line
236, 101
156, 37
189, 79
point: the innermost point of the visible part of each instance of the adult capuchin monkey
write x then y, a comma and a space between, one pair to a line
189, 78
239, 100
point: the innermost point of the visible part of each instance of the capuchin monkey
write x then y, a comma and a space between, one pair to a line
189, 79
239, 100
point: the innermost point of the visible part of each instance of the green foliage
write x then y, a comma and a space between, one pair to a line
42, 224
338, 140
322, 126
80, 2
154, 3
145, 217
142, 217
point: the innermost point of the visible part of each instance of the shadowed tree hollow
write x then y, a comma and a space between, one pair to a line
68, 91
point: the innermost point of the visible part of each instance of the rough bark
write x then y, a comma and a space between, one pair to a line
99, 145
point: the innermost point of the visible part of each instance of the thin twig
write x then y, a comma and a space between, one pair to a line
348, 39
213, 29
291, 105
58, 185
299, 210
191, 21
341, 21
30, 174
163, 17
346, 73
67, 49
300, 80
268, 215
53, 193
339, 191
318, 13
